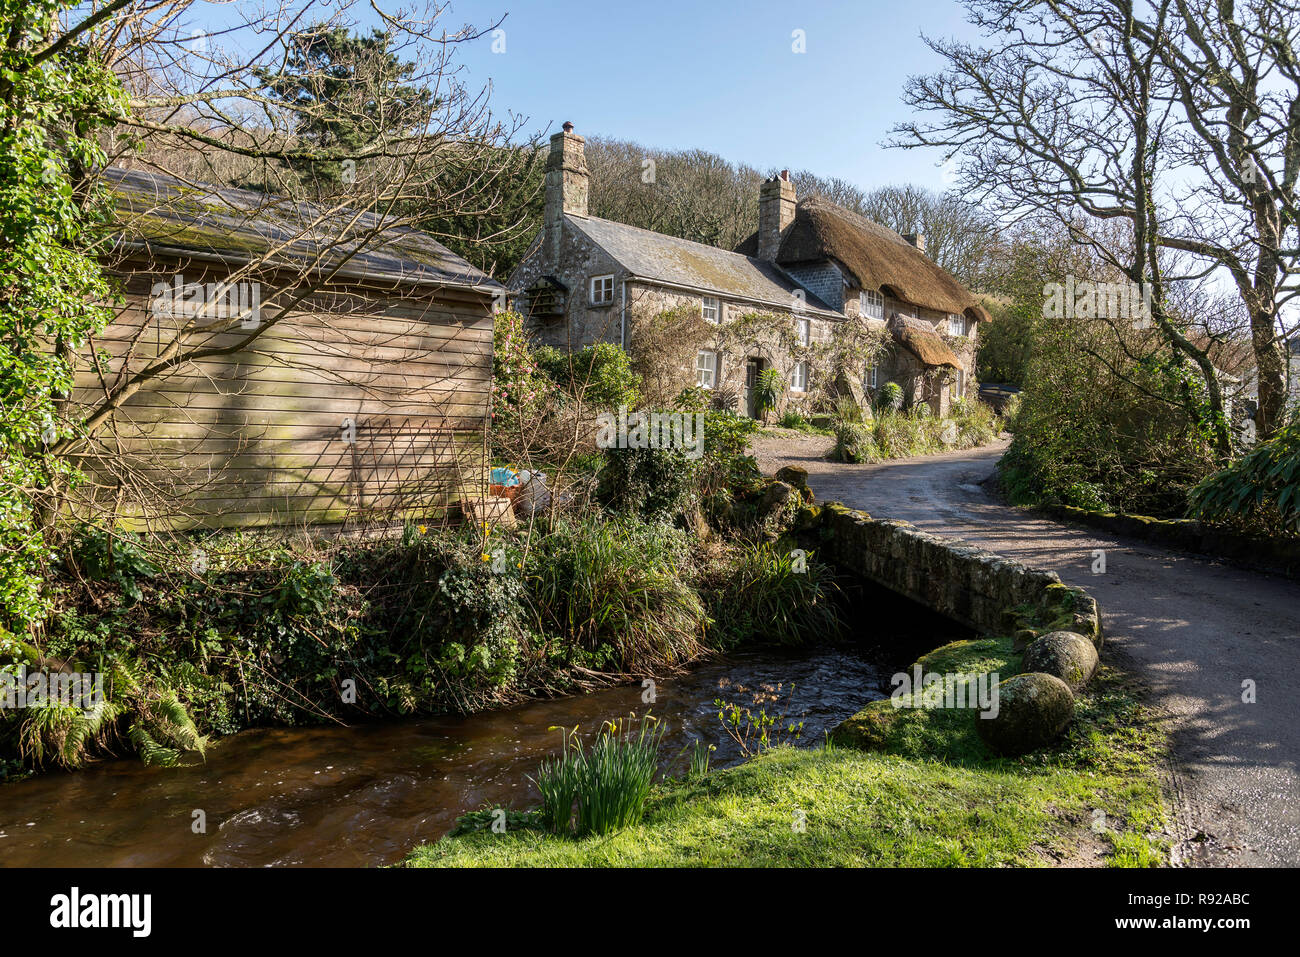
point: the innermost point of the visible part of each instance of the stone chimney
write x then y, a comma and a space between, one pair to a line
916, 239
566, 185
776, 206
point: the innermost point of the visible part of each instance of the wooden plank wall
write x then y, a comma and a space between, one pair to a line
360, 405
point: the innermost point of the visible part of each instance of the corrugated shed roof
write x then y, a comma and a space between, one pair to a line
160, 214
680, 262
875, 255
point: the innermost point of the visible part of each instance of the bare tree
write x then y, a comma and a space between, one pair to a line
1175, 118
258, 102
692, 194
1236, 77
1066, 118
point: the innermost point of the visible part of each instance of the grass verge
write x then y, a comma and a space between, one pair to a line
918, 790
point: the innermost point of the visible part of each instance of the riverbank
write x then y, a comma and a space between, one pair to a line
928, 793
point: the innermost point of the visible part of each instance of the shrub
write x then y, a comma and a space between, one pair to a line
768, 389
135, 708
600, 376
793, 420
1260, 491
890, 396
726, 463
977, 424
853, 443
771, 594
516, 387
656, 485
613, 589
1106, 416
1009, 413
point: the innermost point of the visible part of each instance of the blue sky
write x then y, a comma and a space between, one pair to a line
721, 76
674, 74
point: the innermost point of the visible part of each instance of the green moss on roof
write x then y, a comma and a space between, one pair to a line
243, 224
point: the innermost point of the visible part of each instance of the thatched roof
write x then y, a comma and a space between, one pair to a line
874, 255
160, 215
679, 262
919, 338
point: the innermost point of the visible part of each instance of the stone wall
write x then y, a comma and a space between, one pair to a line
968, 584
1278, 555
823, 280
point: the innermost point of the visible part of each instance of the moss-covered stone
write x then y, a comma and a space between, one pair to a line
793, 475
1065, 654
870, 729
1032, 711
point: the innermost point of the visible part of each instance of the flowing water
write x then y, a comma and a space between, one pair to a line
365, 795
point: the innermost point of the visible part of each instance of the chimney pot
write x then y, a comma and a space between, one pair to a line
566, 185
776, 211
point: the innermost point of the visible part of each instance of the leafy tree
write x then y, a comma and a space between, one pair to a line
492, 235
346, 92
54, 100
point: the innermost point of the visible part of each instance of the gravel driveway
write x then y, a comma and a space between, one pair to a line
1194, 629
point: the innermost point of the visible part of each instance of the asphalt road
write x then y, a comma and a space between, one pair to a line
1194, 629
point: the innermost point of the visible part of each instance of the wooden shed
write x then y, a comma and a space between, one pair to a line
275, 362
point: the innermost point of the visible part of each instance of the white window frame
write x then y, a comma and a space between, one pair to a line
957, 387
799, 377
872, 375
871, 304
956, 324
606, 286
711, 304
711, 369
803, 329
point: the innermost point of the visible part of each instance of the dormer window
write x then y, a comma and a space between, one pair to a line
602, 290
711, 310
956, 325
871, 304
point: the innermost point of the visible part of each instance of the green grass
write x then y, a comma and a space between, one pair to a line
929, 794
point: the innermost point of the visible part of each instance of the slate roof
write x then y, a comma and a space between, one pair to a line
679, 262
875, 255
161, 215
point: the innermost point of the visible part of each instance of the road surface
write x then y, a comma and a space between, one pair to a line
1197, 631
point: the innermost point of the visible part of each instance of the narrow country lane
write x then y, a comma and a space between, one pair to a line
1192, 628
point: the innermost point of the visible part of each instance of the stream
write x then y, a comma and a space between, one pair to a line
365, 795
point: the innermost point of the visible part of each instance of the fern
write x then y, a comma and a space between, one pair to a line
150, 751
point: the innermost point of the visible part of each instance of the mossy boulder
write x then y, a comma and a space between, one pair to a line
1064, 654
775, 498
793, 475
870, 729
1032, 711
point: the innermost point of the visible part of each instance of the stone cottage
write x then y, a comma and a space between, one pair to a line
814, 286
